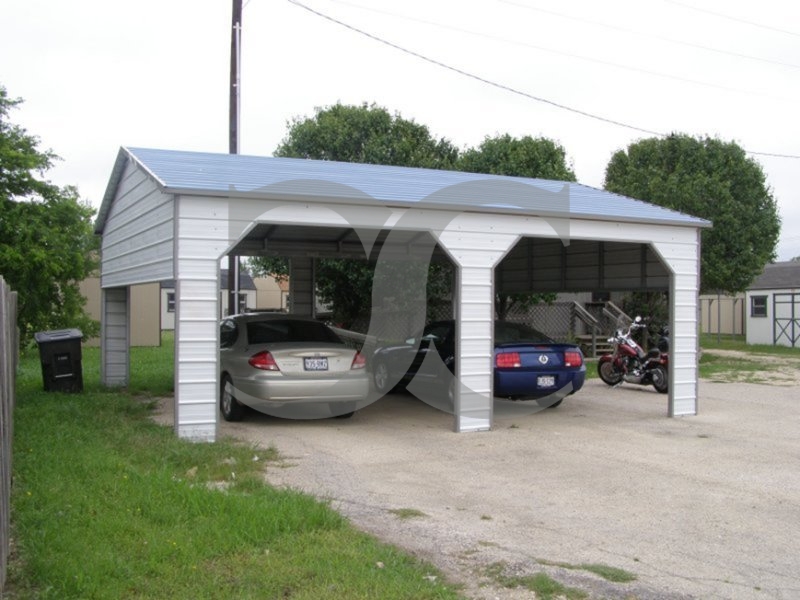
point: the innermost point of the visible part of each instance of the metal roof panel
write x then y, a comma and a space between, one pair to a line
186, 172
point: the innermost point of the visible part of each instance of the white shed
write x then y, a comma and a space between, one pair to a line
174, 215
773, 306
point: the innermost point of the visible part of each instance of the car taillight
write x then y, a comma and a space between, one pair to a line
573, 358
263, 361
359, 361
507, 360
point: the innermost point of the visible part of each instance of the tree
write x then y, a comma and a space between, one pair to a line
366, 134
712, 179
47, 245
525, 157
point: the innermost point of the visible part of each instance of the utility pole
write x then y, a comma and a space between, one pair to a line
233, 136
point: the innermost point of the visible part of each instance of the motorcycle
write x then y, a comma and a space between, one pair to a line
629, 362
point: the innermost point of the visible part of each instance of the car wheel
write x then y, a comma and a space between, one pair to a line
230, 407
609, 373
660, 379
380, 376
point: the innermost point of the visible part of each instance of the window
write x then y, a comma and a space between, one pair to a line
228, 332
170, 301
758, 306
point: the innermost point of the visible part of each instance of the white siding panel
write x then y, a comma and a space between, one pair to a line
759, 330
683, 259
137, 245
197, 315
476, 261
114, 337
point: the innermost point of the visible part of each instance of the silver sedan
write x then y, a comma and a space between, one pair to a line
288, 366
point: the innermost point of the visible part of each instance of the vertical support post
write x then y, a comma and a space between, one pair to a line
196, 350
474, 398
115, 337
475, 258
301, 286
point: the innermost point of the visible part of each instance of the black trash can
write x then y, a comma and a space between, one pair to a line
60, 353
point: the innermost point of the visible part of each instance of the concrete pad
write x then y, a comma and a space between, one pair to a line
706, 506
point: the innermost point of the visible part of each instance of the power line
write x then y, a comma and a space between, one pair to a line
500, 85
651, 34
558, 52
732, 18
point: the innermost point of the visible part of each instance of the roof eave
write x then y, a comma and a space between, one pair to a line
422, 204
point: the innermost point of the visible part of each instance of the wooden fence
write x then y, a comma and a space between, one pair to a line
9, 356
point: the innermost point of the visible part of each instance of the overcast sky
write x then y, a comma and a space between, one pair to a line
98, 74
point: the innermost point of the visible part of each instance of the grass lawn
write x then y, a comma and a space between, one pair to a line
107, 504
738, 361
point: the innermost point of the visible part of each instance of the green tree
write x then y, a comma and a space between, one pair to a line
524, 157
366, 134
712, 179
47, 245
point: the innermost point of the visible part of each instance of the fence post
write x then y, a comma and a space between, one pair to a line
9, 356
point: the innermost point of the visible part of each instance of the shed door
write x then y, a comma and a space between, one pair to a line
786, 326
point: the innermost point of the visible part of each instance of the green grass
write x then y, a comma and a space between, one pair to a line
737, 342
544, 586
613, 574
107, 504
407, 513
761, 364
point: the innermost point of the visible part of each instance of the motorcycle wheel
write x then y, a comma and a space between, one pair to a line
660, 379
609, 373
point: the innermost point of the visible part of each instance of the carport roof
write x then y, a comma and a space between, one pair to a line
203, 173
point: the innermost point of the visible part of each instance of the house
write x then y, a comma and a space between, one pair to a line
144, 300
773, 306
248, 298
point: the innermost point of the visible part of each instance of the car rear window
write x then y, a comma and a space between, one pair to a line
279, 331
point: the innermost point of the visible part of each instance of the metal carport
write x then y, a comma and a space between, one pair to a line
173, 215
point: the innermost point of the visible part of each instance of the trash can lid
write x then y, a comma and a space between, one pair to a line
57, 335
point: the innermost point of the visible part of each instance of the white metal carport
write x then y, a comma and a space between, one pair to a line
173, 215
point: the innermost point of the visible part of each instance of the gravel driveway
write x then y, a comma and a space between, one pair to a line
705, 506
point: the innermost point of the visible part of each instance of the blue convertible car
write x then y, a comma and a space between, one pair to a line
527, 363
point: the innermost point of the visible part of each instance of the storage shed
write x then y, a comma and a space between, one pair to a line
174, 215
773, 306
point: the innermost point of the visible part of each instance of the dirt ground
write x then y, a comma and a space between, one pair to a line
706, 506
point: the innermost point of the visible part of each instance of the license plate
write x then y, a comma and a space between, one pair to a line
315, 364
546, 381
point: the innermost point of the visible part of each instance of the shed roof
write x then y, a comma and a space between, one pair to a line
778, 276
203, 173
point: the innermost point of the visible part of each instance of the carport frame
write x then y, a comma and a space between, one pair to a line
173, 215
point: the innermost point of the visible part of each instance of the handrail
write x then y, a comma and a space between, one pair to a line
585, 316
612, 311
589, 319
